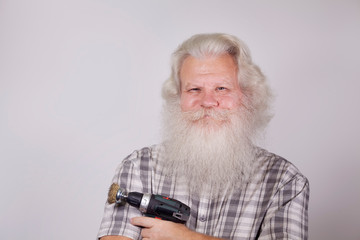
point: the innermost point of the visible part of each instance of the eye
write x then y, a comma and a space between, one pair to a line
221, 88
194, 90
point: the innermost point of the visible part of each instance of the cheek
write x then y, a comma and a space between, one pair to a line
187, 103
230, 102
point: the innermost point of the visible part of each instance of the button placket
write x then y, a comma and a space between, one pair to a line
202, 215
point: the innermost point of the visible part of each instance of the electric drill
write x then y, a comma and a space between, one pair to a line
151, 205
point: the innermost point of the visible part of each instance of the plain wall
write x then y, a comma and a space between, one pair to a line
80, 90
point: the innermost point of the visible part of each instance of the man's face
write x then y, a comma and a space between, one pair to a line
209, 83
207, 138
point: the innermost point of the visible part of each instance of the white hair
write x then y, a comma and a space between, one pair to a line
251, 80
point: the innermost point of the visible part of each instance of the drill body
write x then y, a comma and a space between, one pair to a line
156, 206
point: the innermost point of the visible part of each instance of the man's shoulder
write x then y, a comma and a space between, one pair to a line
150, 153
276, 167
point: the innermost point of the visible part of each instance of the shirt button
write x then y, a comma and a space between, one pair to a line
202, 219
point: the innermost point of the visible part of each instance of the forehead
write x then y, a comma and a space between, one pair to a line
222, 66
223, 62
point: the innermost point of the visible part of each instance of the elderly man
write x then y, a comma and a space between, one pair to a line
216, 106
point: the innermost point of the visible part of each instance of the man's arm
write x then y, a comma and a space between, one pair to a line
156, 229
115, 238
287, 216
116, 217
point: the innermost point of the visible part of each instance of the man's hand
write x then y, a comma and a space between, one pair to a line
156, 229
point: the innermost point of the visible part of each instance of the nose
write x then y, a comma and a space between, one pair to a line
209, 100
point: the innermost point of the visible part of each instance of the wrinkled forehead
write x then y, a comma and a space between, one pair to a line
209, 70
208, 62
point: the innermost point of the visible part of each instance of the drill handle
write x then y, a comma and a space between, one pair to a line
168, 209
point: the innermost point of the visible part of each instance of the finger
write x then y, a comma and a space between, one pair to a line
145, 233
147, 222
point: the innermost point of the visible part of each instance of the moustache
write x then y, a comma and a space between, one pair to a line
217, 115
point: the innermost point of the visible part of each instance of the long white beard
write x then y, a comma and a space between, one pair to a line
213, 152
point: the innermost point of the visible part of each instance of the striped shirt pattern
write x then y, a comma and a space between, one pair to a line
274, 205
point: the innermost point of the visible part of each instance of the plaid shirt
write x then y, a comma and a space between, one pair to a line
274, 205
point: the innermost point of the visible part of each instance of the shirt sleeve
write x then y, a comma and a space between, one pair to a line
116, 218
287, 216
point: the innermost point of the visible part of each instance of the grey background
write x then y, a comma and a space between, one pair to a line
80, 90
